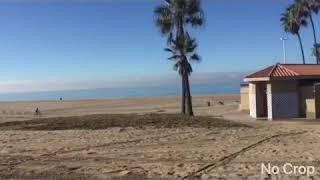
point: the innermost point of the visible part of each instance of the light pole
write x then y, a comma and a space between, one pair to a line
283, 39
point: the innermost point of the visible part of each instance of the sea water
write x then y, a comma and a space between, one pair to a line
123, 92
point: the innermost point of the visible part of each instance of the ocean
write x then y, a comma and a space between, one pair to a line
128, 92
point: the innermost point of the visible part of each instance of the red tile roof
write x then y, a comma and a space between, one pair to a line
287, 70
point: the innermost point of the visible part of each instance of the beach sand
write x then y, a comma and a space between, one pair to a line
15, 111
152, 152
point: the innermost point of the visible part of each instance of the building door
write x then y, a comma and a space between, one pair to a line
264, 112
262, 102
317, 99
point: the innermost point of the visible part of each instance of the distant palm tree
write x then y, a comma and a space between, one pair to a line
291, 22
172, 18
305, 9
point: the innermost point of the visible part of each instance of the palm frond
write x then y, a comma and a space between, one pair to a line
195, 13
292, 19
195, 57
170, 38
174, 57
177, 65
188, 68
168, 50
172, 19
164, 19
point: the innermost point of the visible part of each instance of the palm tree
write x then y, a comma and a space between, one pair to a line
305, 9
183, 53
172, 18
291, 22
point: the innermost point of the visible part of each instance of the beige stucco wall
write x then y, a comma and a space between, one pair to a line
307, 102
310, 108
269, 100
252, 100
244, 98
317, 100
310, 105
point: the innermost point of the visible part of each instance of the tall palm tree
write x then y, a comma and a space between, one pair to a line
315, 7
305, 9
291, 22
172, 18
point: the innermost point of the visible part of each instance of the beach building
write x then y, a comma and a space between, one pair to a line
283, 91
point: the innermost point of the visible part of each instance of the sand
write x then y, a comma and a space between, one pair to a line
152, 152
13, 111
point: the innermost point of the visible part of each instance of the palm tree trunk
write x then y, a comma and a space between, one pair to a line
301, 47
314, 38
188, 96
183, 95
180, 32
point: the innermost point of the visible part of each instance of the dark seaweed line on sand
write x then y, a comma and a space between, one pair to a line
104, 121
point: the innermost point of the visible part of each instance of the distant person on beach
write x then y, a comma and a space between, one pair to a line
61, 99
37, 112
208, 103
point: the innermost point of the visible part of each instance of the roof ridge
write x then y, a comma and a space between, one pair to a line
288, 69
297, 64
273, 69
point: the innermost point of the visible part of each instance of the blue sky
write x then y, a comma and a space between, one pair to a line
74, 41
